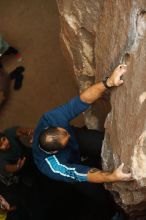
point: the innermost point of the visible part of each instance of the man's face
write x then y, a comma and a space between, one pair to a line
4, 144
64, 137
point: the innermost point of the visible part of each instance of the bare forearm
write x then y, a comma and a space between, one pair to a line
93, 93
100, 176
97, 176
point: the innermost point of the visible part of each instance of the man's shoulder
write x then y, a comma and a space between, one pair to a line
42, 123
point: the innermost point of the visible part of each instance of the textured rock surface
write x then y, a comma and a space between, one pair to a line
98, 35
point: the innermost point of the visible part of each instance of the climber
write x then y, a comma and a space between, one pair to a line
55, 149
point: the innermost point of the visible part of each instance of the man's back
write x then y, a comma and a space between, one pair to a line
64, 165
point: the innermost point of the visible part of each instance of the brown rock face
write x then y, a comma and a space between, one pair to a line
98, 35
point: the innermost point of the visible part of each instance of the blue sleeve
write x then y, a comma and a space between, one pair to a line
56, 170
68, 111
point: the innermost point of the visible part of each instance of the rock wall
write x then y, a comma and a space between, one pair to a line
98, 35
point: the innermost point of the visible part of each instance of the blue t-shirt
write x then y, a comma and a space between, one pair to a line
66, 164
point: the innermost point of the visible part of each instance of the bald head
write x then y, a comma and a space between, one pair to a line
52, 139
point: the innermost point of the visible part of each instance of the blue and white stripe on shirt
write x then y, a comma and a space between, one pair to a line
66, 170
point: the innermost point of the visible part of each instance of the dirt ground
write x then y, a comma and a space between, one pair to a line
33, 27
